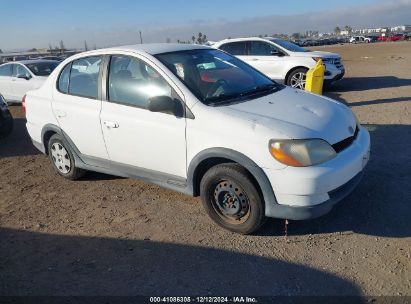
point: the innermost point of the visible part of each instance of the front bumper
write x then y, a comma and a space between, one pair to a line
309, 192
333, 73
311, 212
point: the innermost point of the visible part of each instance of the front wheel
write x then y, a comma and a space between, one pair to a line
231, 199
297, 78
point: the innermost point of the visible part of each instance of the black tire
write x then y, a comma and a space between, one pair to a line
57, 145
226, 184
6, 125
290, 79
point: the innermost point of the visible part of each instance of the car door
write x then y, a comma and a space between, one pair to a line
21, 81
77, 105
5, 81
267, 58
139, 141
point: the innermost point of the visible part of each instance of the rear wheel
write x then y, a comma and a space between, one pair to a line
297, 78
62, 158
231, 199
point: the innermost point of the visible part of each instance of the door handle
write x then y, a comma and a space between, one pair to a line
110, 124
60, 114
254, 59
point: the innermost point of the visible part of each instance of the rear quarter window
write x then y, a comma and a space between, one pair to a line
63, 82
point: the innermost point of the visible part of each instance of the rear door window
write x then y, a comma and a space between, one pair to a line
84, 77
235, 48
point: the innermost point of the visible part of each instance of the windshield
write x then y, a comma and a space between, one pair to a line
216, 77
288, 45
42, 68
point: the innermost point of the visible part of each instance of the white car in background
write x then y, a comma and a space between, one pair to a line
17, 78
282, 60
360, 39
200, 121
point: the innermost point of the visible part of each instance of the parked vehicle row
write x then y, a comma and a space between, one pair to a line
200, 121
4, 59
16, 78
321, 41
369, 39
281, 60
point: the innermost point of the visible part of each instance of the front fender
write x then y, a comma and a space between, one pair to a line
237, 157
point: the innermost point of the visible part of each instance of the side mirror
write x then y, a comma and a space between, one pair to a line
165, 104
24, 76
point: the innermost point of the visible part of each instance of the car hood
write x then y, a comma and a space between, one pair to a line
297, 114
317, 54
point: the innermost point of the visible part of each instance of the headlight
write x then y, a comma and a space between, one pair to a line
301, 152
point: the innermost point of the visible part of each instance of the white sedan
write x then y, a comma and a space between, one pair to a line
200, 121
17, 78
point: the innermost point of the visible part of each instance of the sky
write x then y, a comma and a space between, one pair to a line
106, 23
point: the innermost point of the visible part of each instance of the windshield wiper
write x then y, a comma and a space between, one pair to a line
229, 97
259, 89
220, 98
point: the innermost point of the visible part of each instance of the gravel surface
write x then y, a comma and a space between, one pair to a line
105, 235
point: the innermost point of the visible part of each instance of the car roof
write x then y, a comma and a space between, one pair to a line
157, 48
242, 39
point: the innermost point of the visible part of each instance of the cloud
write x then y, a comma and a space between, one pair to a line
379, 14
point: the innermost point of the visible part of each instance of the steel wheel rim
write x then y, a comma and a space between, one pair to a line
298, 80
61, 158
230, 202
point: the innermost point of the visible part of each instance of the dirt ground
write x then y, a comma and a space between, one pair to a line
105, 235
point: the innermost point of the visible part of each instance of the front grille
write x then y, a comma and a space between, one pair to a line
341, 145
